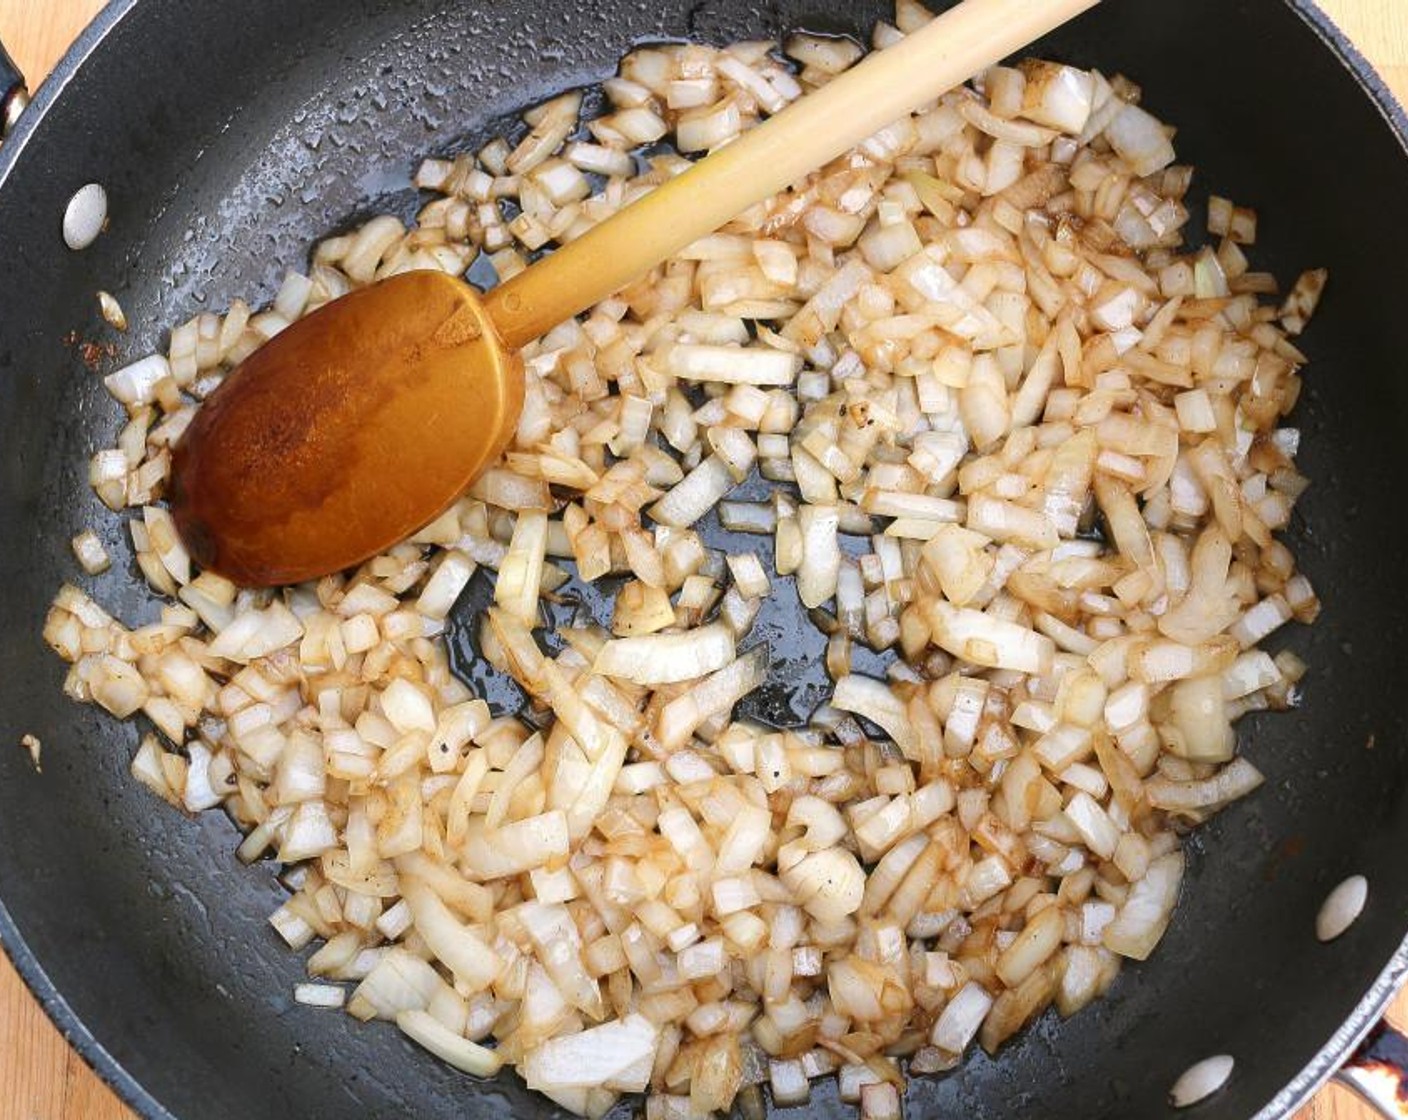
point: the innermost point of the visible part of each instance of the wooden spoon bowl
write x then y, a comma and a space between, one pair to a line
347, 433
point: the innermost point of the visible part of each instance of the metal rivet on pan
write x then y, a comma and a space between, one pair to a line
1201, 1081
1341, 906
84, 217
10, 111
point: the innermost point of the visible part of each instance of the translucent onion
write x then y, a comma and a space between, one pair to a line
667, 658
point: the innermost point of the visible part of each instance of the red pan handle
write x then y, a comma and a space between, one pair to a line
14, 94
1378, 1071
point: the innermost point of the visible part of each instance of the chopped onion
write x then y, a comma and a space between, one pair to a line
746, 365
90, 552
789, 1083
328, 996
828, 884
667, 658
516, 847
1140, 140
1059, 97
1236, 780
876, 702
986, 640
613, 1053
880, 1101
399, 981
958, 1024
1037, 941
695, 495
521, 570
1140, 922
461, 950
820, 565
449, 1047
136, 384
257, 633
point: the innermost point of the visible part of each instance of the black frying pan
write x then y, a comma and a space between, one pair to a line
229, 136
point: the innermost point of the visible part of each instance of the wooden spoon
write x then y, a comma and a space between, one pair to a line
365, 420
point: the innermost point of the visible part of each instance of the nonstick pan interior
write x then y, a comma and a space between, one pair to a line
229, 139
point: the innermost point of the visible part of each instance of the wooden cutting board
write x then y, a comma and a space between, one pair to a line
41, 1078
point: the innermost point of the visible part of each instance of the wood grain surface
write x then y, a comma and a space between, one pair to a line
41, 1078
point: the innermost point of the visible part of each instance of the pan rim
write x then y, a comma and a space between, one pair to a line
1370, 1009
15, 947
75, 1032
57, 80
1321, 1067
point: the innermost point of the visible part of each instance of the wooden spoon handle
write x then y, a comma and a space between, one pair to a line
781, 151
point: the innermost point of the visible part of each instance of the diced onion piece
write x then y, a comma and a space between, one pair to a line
984, 640
734, 365
667, 658
958, 1023
450, 578
1199, 713
309, 831
453, 943
135, 384
1094, 825
1056, 96
828, 884
880, 1101
1237, 779
1034, 945
257, 633
1140, 140
521, 570
399, 981
695, 495
789, 1084
595, 1057
745, 841
826, 53
320, 995
90, 552
821, 554
516, 847
875, 701
445, 1044
1300, 305
1140, 923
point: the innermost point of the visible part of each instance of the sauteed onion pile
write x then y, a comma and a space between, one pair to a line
994, 419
